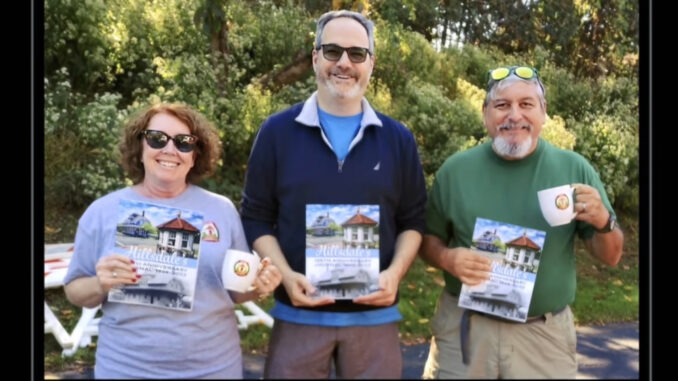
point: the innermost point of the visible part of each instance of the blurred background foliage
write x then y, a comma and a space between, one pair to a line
239, 61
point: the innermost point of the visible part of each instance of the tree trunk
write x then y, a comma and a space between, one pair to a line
443, 38
289, 74
220, 51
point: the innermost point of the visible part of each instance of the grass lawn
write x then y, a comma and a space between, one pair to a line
604, 295
608, 294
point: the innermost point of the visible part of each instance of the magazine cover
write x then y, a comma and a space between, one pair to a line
164, 243
515, 252
342, 249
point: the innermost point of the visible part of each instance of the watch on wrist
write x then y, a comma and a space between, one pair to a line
609, 225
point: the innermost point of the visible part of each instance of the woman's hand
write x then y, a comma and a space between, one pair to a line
112, 271
116, 270
268, 278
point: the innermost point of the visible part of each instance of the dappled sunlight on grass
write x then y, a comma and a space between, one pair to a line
608, 294
419, 291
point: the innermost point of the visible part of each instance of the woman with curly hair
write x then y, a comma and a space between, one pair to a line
166, 150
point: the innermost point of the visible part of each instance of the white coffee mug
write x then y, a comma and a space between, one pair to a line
557, 204
239, 270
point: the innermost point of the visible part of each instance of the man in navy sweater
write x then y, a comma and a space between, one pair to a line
335, 151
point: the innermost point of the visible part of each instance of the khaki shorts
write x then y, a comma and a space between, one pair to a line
444, 357
544, 348
300, 351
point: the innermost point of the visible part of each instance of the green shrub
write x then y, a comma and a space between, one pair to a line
441, 126
75, 40
401, 54
380, 98
263, 37
472, 63
554, 132
473, 95
80, 146
606, 142
565, 95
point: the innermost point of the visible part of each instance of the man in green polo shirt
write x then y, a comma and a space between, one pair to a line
499, 181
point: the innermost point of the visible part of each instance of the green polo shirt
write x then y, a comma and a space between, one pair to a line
479, 183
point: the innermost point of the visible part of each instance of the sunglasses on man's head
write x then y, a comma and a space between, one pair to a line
158, 139
333, 52
524, 72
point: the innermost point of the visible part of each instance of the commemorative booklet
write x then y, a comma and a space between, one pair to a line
164, 243
342, 249
515, 252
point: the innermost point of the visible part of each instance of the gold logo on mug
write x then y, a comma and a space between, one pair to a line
241, 268
562, 201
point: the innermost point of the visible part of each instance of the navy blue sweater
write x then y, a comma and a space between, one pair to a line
290, 166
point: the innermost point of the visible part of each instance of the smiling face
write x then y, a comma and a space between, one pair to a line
343, 79
167, 167
514, 119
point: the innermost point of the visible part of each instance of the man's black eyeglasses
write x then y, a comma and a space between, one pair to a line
158, 139
333, 52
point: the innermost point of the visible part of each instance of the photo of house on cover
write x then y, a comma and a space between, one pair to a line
515, 252
342, 249
164, 243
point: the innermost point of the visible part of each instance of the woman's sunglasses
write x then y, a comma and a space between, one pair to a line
333, 52
158, 139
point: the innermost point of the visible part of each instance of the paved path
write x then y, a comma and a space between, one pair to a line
609, 351
603, 352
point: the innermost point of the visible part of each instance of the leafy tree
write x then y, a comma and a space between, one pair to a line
238, 62
554, 131
80, 145
607, 40
501, 246
152, 230
589, 37
337, 229
76, 40
420, 16
508, 25
556, 25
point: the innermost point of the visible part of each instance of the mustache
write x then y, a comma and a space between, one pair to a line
347, 72
508, 126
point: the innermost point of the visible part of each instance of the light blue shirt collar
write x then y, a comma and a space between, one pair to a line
309, 113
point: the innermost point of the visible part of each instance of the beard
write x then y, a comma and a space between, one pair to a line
355, 90
512, 150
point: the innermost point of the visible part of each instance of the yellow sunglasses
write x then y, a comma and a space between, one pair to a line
524, 72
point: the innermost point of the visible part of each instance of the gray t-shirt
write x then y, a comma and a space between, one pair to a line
147, 342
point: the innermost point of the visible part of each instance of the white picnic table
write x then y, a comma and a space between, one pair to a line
57, 258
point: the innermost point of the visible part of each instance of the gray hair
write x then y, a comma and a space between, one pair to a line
511, 79
331, 15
